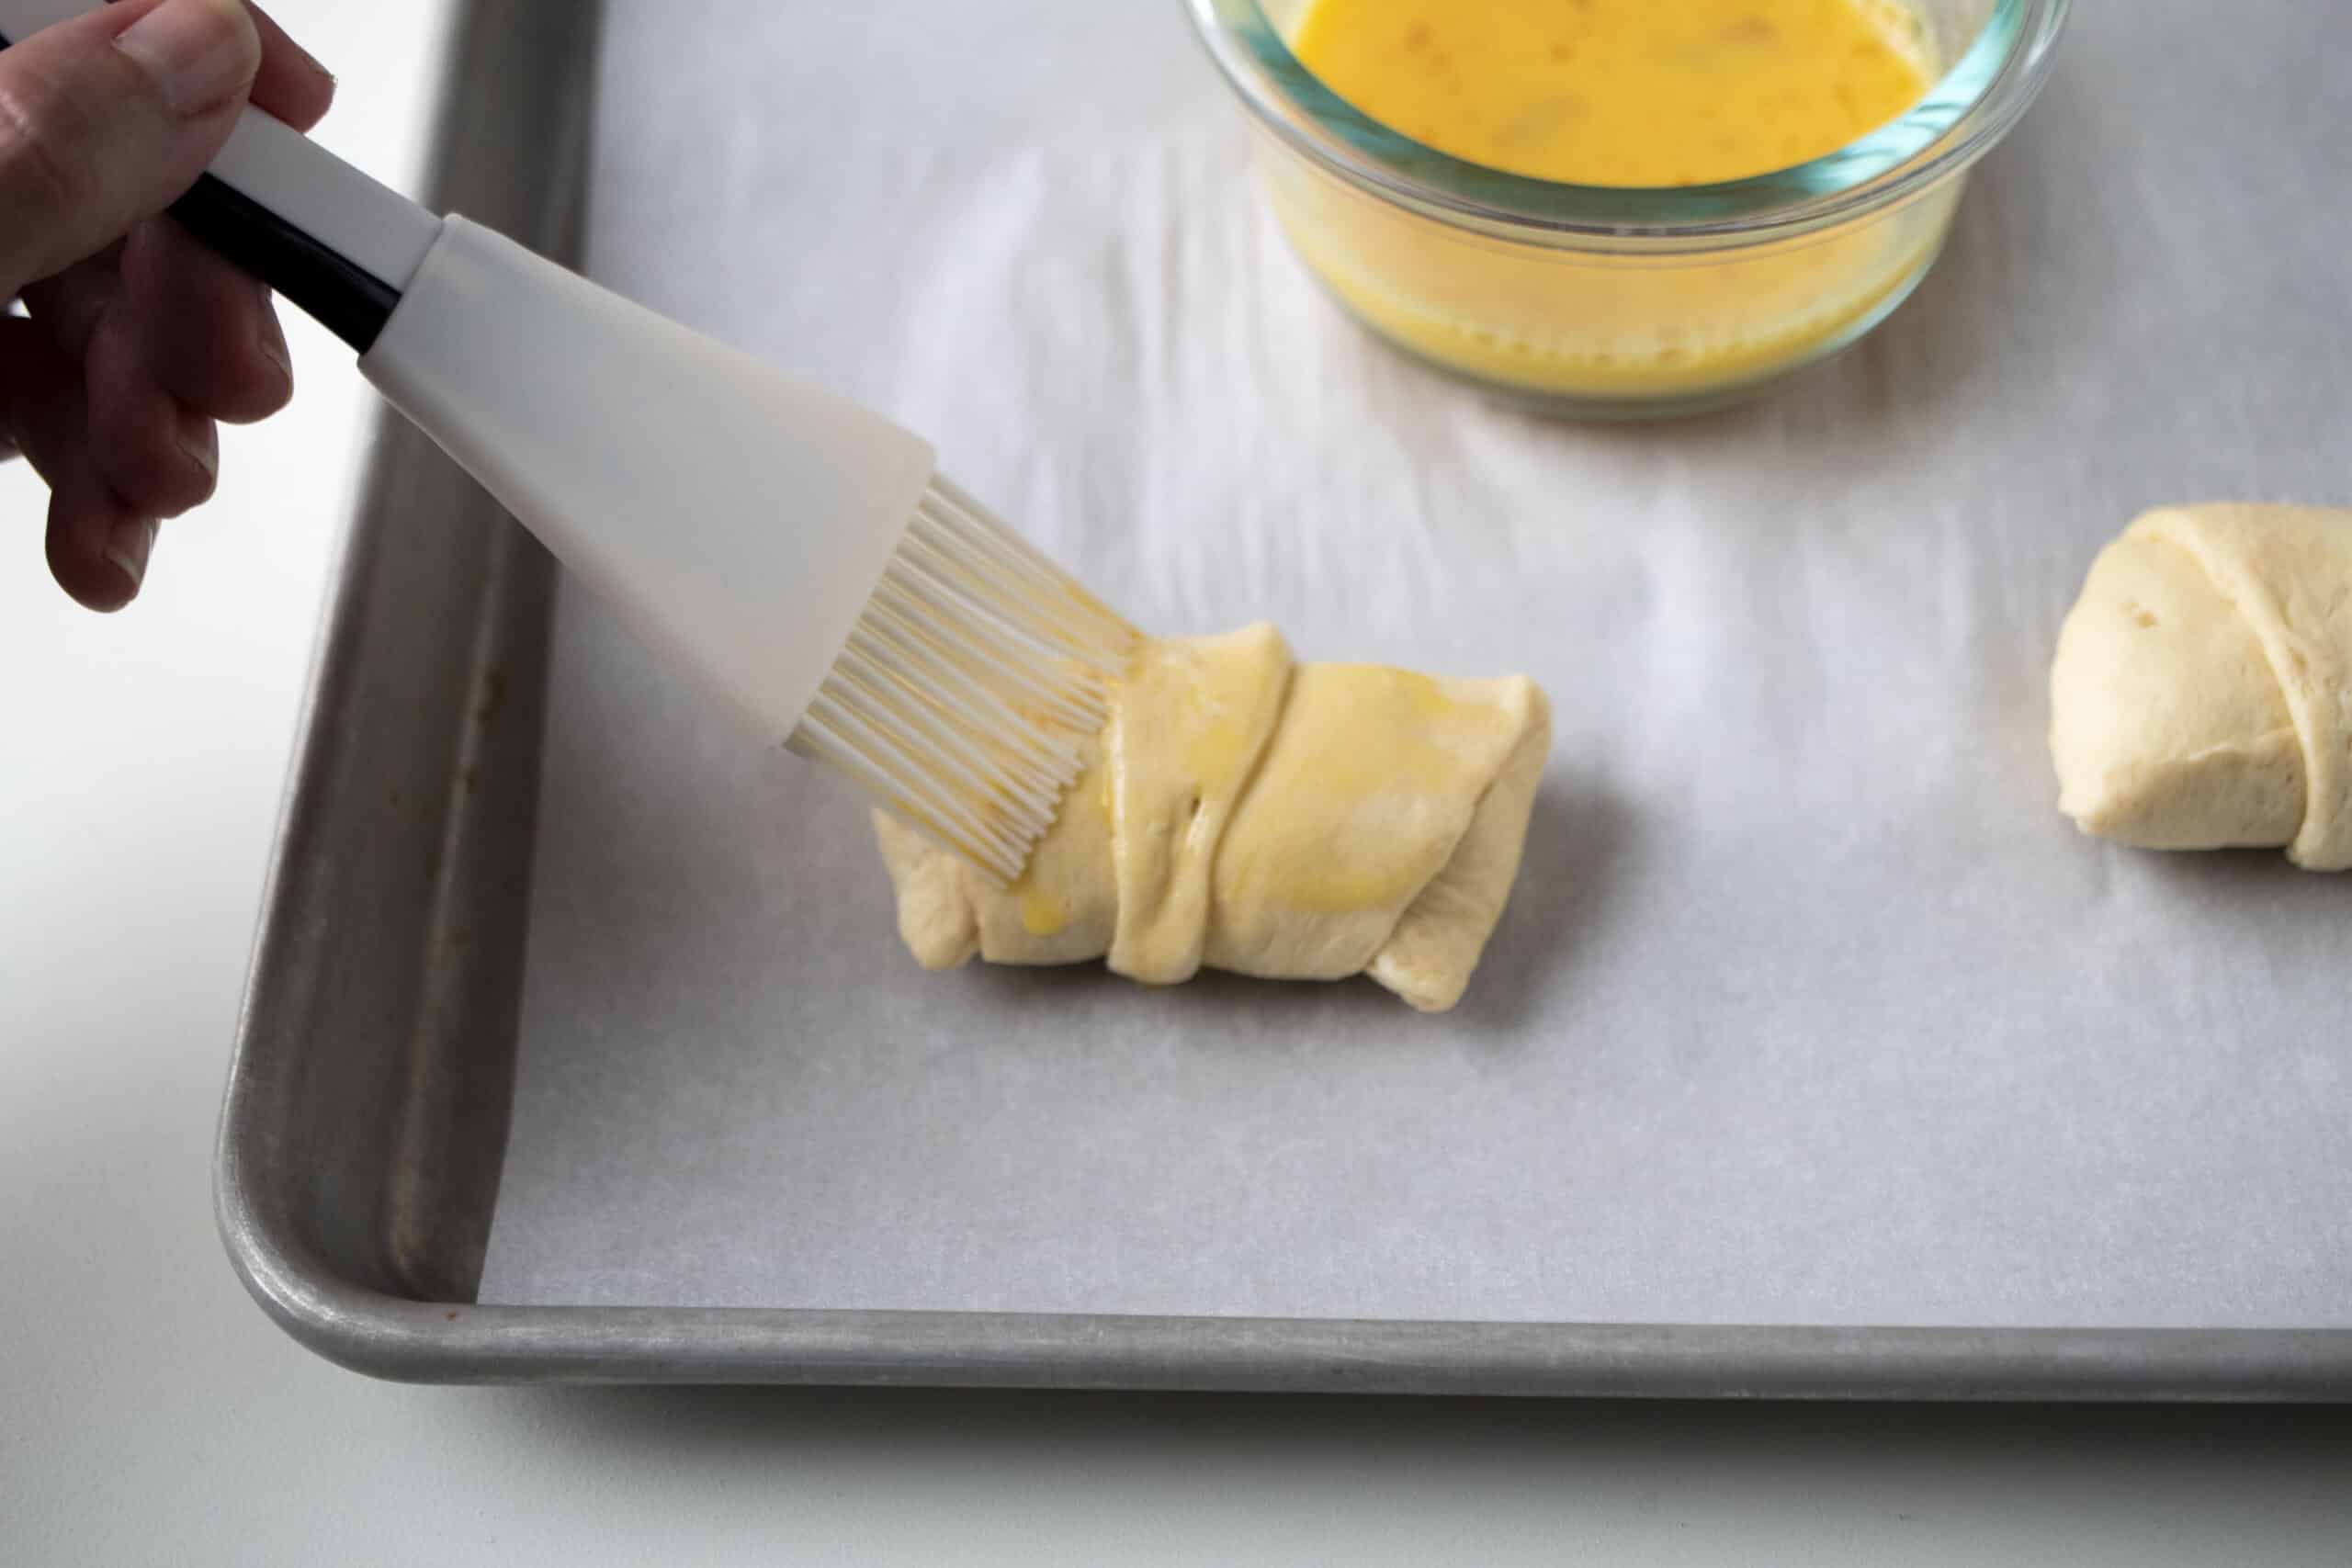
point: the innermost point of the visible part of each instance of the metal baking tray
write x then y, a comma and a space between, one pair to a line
369, 1095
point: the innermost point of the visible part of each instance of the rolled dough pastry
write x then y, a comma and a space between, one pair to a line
2201, 694
1243, 812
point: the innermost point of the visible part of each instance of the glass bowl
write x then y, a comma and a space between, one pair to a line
1621, 302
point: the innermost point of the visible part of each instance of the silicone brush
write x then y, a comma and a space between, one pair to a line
804, 554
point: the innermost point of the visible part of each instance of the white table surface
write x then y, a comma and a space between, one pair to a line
150, 1413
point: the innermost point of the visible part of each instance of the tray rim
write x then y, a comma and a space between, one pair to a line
399, 1338
413, 1341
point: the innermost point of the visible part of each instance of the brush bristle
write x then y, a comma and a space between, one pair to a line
970, 686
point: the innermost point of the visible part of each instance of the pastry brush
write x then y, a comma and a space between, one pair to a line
804, 553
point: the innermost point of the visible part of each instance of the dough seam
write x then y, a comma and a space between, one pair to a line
2323, 841
2227, 593
1433, 981
1131, 928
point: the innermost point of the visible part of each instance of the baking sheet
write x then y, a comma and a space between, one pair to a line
1809, 1008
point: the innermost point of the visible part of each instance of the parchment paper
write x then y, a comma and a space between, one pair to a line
1809, 1008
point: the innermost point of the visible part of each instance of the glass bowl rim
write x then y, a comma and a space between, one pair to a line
1971, 107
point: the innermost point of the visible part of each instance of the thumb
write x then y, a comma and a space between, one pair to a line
107, 118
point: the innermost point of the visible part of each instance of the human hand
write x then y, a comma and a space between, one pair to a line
137, 339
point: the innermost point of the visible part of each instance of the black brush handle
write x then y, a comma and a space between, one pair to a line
342, 295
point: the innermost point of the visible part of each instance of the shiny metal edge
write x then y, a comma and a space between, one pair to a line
511, 132
430, 1342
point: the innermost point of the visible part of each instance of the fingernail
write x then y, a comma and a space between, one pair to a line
273, 348
197, 53
130, 546
203, 451
311, 63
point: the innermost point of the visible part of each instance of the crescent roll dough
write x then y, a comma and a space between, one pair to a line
2201, 694
1243, 812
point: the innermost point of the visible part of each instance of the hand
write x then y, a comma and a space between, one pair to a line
139, 338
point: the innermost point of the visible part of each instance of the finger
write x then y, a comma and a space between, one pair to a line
10, 447
97, 544
290, 83
156, 454
206, 329
68, 305
41, 396
107, 118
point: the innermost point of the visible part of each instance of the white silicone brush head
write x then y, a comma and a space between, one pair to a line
798, 549
971, 684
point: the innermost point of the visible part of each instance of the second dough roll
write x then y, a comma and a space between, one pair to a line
2201, 694
1244, 812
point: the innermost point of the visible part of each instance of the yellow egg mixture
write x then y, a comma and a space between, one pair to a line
1621, 92
1617, 93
